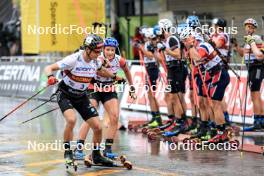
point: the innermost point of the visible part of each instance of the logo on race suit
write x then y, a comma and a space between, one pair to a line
84, 69
93, 109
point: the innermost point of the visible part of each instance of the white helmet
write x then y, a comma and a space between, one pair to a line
150, 33
165, 23
251, 21
186, 33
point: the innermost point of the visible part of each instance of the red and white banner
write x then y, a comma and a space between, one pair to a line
234, 95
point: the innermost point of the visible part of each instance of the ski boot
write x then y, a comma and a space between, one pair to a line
155, 124
78, 154
69, 160
154, 133
187, 125
257, 126
109, 154
223, 137
138, 128
231, 125
203, 134
179, 128
162, 127
113, 156
98, 158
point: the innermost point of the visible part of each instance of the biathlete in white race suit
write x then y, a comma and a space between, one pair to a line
216, 78
149, 51
253, 53
78, 71
103, 90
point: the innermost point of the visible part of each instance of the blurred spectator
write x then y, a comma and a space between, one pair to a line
138, 38
118, 36
10, 35
4, 50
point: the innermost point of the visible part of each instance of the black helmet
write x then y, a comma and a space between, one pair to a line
93, 41
219, 22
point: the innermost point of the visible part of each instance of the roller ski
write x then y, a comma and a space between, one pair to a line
225, 136
153, 125
138, 127
160, 129
203, 134
157, 133
97, 159
69, 160
113, 156
236, 129
184, 127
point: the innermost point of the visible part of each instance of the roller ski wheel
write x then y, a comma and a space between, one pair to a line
157, 130
175, 139
153, 136
130, 127
88, 162
235, 142
144, 130
69, 160
186, 140
135, 129
71, 164
128, 165
123, 159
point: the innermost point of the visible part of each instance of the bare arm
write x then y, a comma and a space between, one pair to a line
146, 53
174, 53
239, 50
194, 54
51, 68
128, 74
256, 51
105, 73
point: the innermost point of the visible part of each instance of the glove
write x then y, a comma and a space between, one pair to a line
132, 92
136, 44
52, 80
233, 41
161, 46
249, 39
151, 48
122, 81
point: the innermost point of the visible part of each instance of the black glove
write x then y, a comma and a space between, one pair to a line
233, 41
161, 46
151, 48
132, 92
122, 81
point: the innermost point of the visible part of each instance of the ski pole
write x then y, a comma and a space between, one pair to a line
24, 102
40, 115
49, 100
